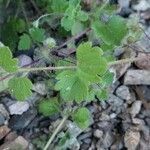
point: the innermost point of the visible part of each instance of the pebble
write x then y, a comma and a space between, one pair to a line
123, 92
131, 139
18, 108
24, 60
40, 88
18, 143
98, 133
20, 122
4, 115
107, 140
84, 136
137, 77
118, 52
135, 108
124, 3
4, 130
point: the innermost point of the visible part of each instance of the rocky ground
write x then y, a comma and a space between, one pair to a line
119, 123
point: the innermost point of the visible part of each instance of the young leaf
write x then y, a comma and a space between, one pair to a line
8, 63
25, 42
37, 34
77, 27
82, 117
20, 87
71, 86
59, 6
102, 94
107, 78
90, 59
111, 32
72, 15
49, 107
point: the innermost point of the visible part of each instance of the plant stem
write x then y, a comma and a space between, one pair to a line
46, 68
55, 132
122, 61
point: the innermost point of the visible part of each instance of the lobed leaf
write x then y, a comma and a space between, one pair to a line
48, 107
25, 42
82, 117
71, 86
8, 63
90, 60
20, 87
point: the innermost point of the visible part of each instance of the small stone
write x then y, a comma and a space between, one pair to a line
108, 140
18, 143
131, 139
18, 108
123, 92
118, 52
98, 133
84, 136
104, 117
138, 121
40, 88
11, 136
24, 60
4, 115
19, 122
4, 130
142, 5
144, 63
87, 141
135, 109
124, 3
113, 115
137, 77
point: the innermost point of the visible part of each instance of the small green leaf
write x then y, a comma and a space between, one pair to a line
107, 79
77, 28
102, 94
90, 59
25, 42
20, 87
48, 107
82, 16
82, 117
111, 32
59, 6
8, 63
37, 34
71, 86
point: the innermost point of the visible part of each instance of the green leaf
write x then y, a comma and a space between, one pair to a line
20, 88
82, 117
8, 63
72, 15
25, 42
77, 28
37, 34
71, 86
48, 107
90, 60
82, 16
111, 32
9, 32
59, 6
107, 79
102, 94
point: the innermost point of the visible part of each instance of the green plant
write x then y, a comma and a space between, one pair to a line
88, 78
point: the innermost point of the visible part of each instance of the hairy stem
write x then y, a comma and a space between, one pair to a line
55, 132
46, 68
122, 61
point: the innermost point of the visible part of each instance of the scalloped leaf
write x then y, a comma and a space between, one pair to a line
20, 87
8, 63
